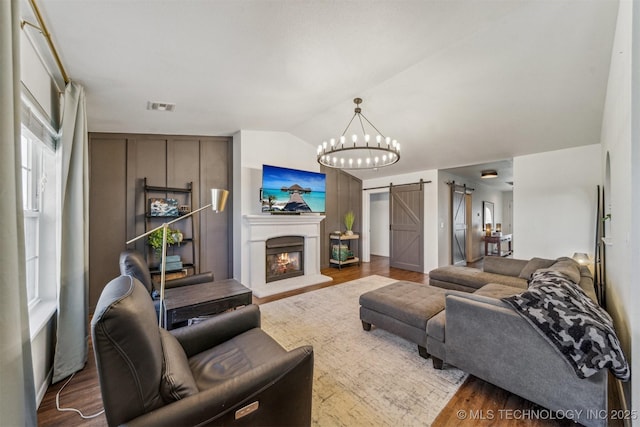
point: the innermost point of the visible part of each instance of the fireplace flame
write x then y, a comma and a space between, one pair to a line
283, 263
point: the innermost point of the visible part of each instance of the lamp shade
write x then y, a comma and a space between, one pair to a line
581, 258
218, 199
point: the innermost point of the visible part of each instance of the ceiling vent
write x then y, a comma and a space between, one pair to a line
161, 106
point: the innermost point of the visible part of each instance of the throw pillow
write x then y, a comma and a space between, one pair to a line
177, 380
567, 267
533, 265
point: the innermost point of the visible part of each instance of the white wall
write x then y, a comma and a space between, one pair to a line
430, 212
379, 225
252, 149
620, 141
554, 202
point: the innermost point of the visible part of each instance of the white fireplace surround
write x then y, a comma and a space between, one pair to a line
264, 227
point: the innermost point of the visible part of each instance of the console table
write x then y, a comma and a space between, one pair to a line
498, 241
188, 302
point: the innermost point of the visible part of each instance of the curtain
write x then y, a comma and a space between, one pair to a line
18, 398
72, 334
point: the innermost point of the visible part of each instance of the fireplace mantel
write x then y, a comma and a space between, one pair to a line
263, 227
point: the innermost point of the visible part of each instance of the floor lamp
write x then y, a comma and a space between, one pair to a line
218, 202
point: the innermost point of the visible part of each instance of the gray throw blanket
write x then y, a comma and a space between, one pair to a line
573, 323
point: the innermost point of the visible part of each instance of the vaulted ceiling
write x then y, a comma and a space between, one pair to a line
456, 82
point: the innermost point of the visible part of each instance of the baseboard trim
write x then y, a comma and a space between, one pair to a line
42, 390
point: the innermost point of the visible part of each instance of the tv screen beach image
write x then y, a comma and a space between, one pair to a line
292, 191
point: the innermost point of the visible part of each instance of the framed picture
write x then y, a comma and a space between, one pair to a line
163, 207
487, 215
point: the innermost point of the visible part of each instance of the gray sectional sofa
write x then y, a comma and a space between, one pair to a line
488, 339
479, 333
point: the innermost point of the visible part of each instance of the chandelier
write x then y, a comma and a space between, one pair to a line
360, 152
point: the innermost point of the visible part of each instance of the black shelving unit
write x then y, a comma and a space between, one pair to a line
185, 198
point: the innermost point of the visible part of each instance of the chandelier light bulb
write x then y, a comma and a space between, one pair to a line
342, 140
368, 161
375, 160
354, 138
387, 140
324, 144
378, 139
398, 146
332, 141
384, 158
350, 162
359, 162
366, 138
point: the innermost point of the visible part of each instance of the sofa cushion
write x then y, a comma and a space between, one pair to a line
501, 279
568, 267
497, 291
504, 266
177, 380
473, 278
231, 358
533, 265
436, 326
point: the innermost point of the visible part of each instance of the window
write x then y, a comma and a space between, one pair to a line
33, 180
40, 204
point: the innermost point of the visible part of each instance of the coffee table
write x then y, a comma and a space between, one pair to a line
205, 299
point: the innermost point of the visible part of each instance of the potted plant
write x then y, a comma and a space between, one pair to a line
349, 218
174, 236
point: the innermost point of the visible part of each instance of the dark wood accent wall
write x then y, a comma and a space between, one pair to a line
118, 164
344, 193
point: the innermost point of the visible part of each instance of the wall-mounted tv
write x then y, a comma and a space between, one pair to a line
287, 190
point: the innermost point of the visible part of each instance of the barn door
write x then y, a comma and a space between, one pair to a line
458, 225
406, 225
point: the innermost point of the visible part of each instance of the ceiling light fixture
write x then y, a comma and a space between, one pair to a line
358, 153
489, 174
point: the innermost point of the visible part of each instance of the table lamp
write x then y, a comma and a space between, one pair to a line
218, 202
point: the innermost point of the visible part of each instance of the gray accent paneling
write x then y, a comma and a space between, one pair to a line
344, 193
118, 165
107, 210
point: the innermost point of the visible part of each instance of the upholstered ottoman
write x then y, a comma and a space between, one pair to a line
402, 308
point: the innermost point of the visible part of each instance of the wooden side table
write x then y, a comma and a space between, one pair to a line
188, 302
498, 241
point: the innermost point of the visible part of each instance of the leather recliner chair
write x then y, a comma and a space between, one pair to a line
222, 371
132, 263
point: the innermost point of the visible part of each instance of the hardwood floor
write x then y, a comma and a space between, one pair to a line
495, 405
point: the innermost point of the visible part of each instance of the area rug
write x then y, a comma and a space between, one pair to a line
360, 378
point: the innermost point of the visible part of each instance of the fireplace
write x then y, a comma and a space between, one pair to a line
257, 229
284, 257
